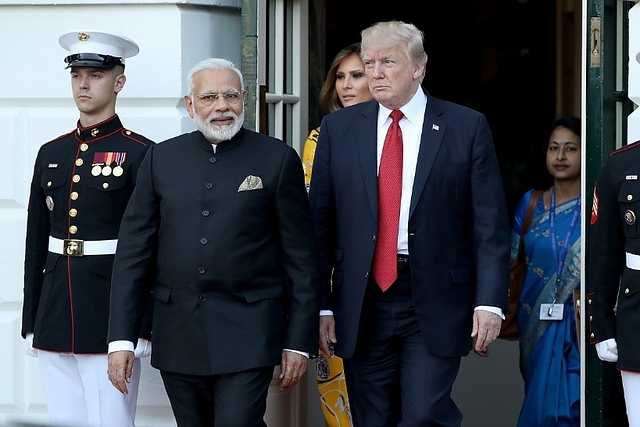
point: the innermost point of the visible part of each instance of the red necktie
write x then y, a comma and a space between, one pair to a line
389, 192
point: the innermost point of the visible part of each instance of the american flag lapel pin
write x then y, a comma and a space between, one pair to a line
435, 127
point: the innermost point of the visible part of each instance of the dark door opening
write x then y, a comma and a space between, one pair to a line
495, 56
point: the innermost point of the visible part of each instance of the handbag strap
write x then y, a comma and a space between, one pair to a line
531, 207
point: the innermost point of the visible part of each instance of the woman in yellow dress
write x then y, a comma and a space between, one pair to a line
346, 84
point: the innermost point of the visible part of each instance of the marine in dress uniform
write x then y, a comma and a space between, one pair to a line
613, 270
82, 182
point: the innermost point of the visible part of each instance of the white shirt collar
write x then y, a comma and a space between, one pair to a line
412, 110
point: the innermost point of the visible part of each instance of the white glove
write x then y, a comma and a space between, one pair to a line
607, 350
143, 348
29, 346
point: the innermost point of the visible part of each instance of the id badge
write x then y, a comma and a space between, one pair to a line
551, 311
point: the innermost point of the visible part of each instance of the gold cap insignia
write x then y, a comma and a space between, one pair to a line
83, 37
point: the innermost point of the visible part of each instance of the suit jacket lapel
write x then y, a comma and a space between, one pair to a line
433, 130
366, 142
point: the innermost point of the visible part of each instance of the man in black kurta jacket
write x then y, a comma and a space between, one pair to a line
220, 216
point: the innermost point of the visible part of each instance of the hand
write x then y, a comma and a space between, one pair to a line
143, 348
120, 367
607, 350
486, 327
29, 346
292, 368
327, 337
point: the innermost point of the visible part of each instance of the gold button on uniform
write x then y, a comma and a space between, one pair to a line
128, 132
76, 178
105, 185
74, 195
629, 197
79, 162
73, 212
73, 229
626, 291
84, 147
49, 183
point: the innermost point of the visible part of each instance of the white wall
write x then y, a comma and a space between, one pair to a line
36, 106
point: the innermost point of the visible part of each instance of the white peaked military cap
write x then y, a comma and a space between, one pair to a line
97, 49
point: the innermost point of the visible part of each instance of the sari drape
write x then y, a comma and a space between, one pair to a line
549, 353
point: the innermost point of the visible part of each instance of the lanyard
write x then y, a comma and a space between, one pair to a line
552, 228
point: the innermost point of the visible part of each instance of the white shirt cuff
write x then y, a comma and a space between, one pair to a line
496, 310
120, 345
326, 313
299, 352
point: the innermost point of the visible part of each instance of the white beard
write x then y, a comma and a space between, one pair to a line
218, 133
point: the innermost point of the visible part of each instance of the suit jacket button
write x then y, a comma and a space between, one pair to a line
201, 270
203, 298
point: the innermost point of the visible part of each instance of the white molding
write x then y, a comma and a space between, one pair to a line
217, 3
633, 121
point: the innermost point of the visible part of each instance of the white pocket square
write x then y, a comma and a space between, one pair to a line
251, 183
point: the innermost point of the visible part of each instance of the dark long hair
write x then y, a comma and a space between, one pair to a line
328, 96
570, 122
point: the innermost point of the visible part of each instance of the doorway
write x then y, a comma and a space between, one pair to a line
518, 63
495, 56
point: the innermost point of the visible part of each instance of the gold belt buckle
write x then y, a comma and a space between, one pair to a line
73, 247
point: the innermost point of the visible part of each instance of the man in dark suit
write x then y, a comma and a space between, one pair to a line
220, 220
81, 185
446, 289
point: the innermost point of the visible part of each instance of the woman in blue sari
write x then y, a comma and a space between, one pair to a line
549, 351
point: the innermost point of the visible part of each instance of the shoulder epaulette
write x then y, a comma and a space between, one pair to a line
136, 137
626, 148
59, 138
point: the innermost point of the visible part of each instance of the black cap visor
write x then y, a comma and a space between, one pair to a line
95, 60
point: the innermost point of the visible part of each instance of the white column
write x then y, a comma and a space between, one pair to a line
634, 72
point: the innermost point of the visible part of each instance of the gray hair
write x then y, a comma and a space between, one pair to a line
212, 64
385, 35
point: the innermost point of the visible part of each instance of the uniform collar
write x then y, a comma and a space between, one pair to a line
99, 130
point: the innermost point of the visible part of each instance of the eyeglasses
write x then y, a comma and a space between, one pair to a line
230, 97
